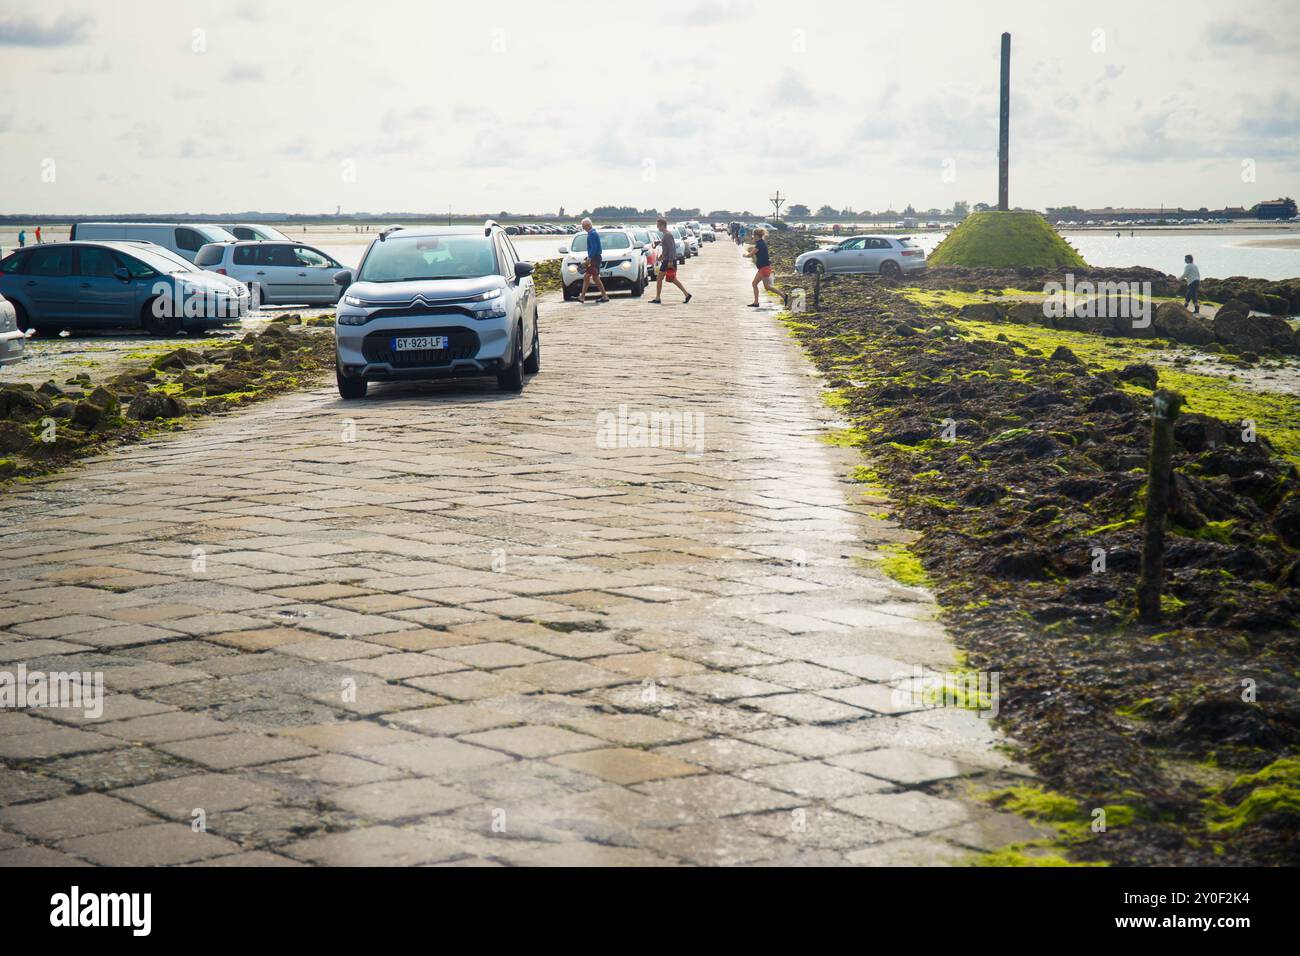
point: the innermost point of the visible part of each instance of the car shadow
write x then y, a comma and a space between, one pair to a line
457, 391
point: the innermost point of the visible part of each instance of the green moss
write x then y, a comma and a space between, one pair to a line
1276, 415
997, 239
1013, 856
1037, 803
1274, 792
903, 566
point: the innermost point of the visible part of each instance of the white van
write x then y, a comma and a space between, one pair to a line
184, 239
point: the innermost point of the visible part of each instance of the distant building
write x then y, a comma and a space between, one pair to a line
1275, 209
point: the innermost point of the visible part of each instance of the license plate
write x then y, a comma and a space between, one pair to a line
419, 343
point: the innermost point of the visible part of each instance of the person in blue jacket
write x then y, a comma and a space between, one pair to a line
593, 264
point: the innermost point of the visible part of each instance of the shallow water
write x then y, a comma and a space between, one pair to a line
1218, 254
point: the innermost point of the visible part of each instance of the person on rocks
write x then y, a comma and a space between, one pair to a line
763, 265
593, 263
667, 264
1192, 276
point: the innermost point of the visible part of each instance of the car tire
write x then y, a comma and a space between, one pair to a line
569, 294
159, 327
47, 331
512, 379
20, 317
814, 267
533, 364
350, 386
890, 269
639, 287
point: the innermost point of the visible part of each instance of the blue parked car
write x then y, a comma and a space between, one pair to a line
116, 285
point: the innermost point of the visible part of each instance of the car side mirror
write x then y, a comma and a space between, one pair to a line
564, 248
523, 270
343, 278
122, 274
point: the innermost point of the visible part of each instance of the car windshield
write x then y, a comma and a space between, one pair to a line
608, 240
162, 260
413, 258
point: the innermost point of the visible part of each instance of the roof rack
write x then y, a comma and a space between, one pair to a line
388, 232
489, 225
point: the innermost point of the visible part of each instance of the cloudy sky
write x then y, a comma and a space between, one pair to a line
414, 105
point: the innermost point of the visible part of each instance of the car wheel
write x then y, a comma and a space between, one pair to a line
813, 267
47, 331
20, 317
350, 386
159, 326
890, 270
512, 379
533, 364
569, 294
639, 287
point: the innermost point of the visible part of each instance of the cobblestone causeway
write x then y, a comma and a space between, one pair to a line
449, 625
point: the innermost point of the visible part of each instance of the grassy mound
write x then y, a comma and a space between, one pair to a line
996, 239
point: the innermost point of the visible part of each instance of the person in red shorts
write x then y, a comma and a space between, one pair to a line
763, 262
667, 265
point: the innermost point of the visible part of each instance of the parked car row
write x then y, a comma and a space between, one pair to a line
544, 229
629, 256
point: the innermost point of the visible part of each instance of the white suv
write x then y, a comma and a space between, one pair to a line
622, 266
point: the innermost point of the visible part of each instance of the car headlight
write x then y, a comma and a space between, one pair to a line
625, 264
352, 300
493, 294
572, 267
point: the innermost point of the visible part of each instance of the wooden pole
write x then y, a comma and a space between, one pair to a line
1004, 123
1164, 409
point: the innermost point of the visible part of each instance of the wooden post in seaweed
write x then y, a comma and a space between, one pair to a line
1164, 409
1004, 126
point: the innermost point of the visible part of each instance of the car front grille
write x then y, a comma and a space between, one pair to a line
462, 343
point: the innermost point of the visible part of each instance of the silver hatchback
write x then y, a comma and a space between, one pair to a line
435, 302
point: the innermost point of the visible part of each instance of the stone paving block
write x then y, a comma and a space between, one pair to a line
805, 708
534, 741
471, 685
624, 765
490, 655
726, 687
392, 800
434, 756
819, 828
818, 742
451, 719
563, 676
64, 817
160, 844
31, 855
54, 743
633, 730
812, 780
162, 728
348, 736
212, 792
230, 751
911, 810
725, 754
717, 795
374, 846
335, 769
903, 767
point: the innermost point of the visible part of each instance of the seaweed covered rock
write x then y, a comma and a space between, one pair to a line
1235, 327
1175, 322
